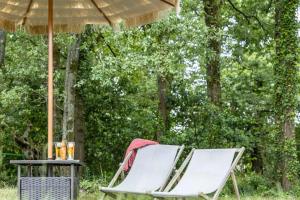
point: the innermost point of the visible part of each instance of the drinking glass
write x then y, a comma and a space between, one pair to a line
71, 150
57, 150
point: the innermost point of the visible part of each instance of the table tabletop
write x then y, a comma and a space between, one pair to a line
47, 162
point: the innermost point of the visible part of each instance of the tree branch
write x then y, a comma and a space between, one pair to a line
23, 142
109, 47
246, 16
196, 12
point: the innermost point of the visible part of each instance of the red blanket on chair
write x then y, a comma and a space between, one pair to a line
134, 146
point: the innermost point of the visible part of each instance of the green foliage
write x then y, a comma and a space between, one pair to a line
92, 185
286, 86
253, 183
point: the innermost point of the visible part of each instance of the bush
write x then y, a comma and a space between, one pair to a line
253, 183
92, 184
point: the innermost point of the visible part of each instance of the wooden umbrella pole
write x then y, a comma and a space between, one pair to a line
50, 79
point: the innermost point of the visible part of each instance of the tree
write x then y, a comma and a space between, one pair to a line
247, 74
69, 94
73, 117
286, 72
212, 10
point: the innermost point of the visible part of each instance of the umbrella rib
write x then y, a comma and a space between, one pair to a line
101, 11
167, 2
26, 13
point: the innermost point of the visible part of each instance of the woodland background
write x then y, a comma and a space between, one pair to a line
225, 73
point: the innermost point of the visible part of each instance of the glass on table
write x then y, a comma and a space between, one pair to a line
63, 150
57, 150
71, 150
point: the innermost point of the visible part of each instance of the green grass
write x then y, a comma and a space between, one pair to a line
11, 194
8, 194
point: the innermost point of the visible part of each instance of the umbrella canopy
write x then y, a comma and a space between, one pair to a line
72, 15
48, 16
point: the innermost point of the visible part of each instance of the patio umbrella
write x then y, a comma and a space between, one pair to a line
52, 16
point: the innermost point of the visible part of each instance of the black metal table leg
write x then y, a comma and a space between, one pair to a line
19, 182
29, 170
72, 181
49, 170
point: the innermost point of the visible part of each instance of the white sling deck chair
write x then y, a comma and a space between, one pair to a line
150, 171
206, 174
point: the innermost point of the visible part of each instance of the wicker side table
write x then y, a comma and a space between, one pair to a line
48, 186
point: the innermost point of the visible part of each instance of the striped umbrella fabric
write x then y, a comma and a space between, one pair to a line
72, 15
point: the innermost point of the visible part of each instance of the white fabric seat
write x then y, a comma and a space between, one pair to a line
150, 171
206, 173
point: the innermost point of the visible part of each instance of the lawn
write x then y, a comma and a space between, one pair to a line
10, 194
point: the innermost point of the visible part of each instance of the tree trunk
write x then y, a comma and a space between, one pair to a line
212, 10
258, 144
257, 162
80, 128
73, 121
297, 138
56, 111
286, 87
2, 47
162, 105
70, 80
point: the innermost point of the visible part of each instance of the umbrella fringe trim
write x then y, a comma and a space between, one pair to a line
146, 18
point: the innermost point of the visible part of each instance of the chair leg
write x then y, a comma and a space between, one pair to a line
103, 196
108, 194
157, 198
204, 196
236, 189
